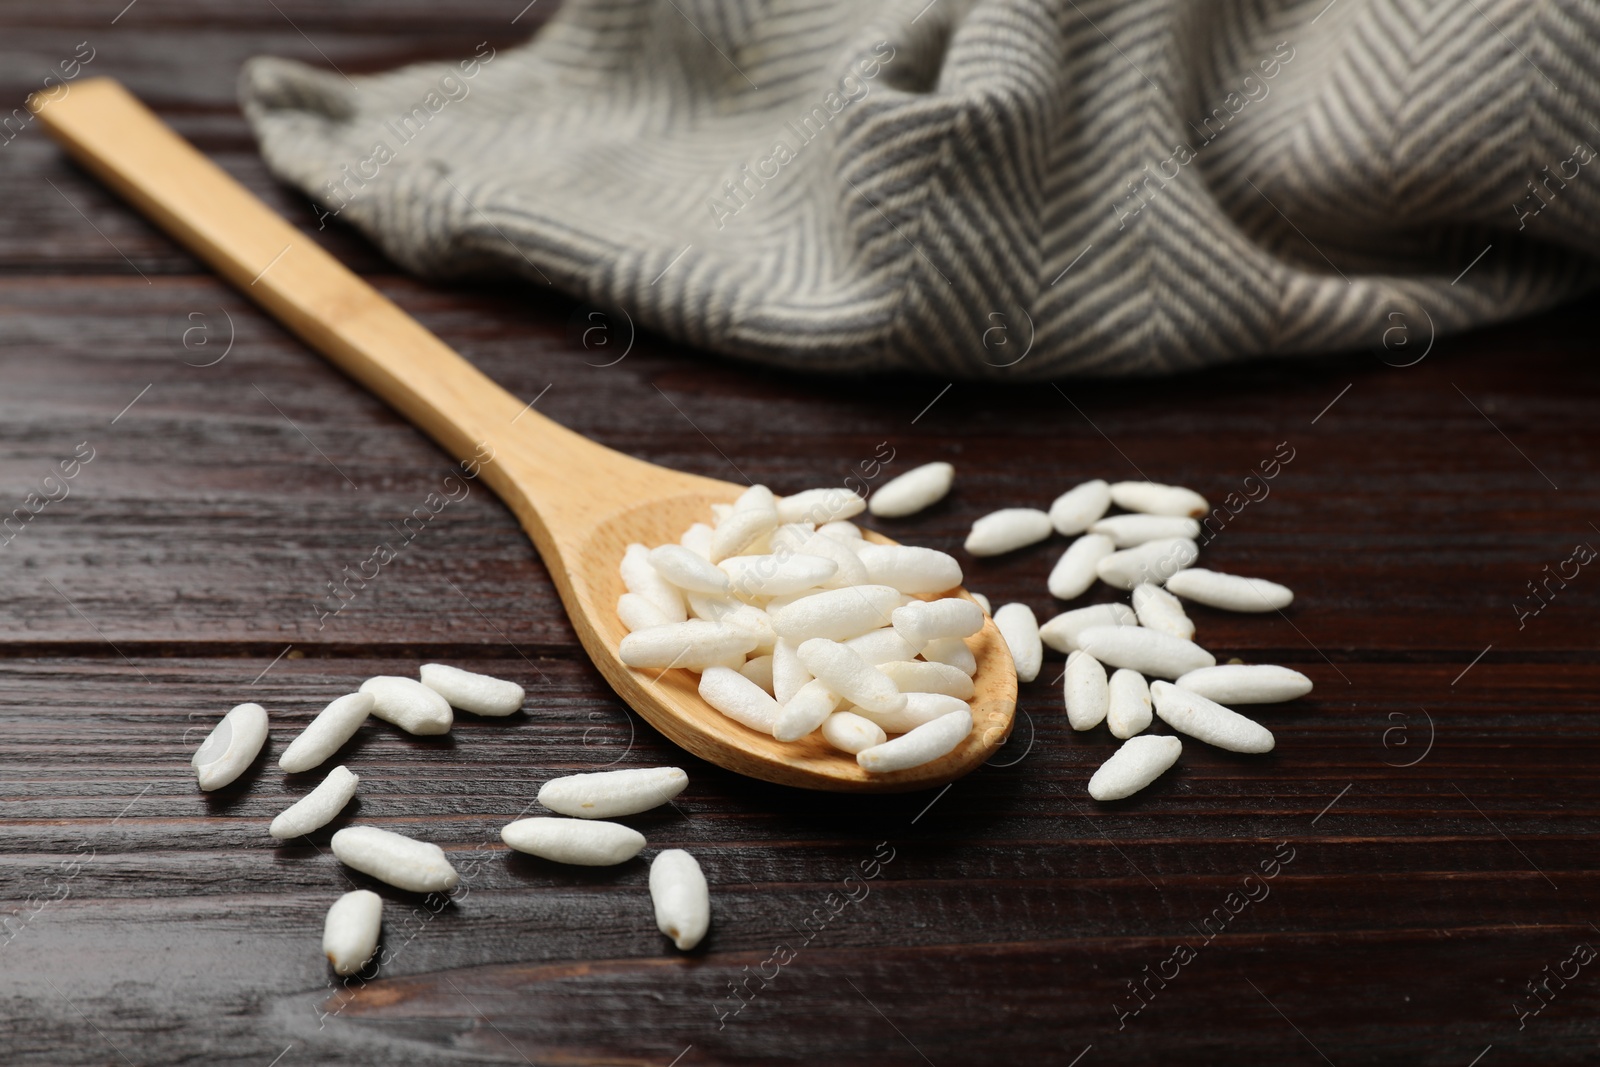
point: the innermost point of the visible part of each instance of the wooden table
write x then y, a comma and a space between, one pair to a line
1427, 820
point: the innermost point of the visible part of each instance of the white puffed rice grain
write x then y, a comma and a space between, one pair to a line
912, 491
1080, 507
925, 744
1007, 530
231, 746
1140, 761
1192, 714
1020, 630
681, 897
608, 794
350, 932
1230, 592
1085, 691
1153, 498
580, 842
317, 808
403, 862
1240, 683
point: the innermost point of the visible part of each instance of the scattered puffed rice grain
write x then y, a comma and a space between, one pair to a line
912, 491
1160, 610
847, 674
350, 932
1239, 683
981, 600
1020, 629
231, 746
642, 579
739, 699
920, 709
333, 726
1153, 562
1061, 633
1128, 712
915, 676
682, 899
952, 651
820, 506
1140, 761
640, 613
881, 646
1130, 530
808, 710
1085, 691
777, 575
1078, 508
759, 671
921, 621
1007, 530
1230, 592
852, 733
923, 745
693, 645
1076, 570
1192, 714
910, 569
1153, 498
403, 862
608, 794
837, 614
481, 694
317, 808
580, 842
410, 705
688, 570
1144, 650
788, 673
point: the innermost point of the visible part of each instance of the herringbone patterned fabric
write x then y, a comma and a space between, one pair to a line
989, 188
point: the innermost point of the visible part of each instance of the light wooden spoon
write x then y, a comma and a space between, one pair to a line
581, 503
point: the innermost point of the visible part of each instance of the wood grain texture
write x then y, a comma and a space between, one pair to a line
1405, 930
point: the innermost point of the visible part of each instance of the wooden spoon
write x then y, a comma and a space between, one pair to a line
581, 503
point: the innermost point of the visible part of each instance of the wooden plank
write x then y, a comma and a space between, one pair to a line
1013, 883
1437, 788
229, 496
417, 20
196, 65
73, 224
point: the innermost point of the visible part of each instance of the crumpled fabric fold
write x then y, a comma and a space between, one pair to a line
987, 189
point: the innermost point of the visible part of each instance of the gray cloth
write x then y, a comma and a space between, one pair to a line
988, 188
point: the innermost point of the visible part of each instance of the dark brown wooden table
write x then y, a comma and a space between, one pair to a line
1427, 821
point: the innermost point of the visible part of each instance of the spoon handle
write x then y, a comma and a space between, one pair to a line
109, 132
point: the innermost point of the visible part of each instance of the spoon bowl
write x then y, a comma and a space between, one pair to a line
581, 503
670, 701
